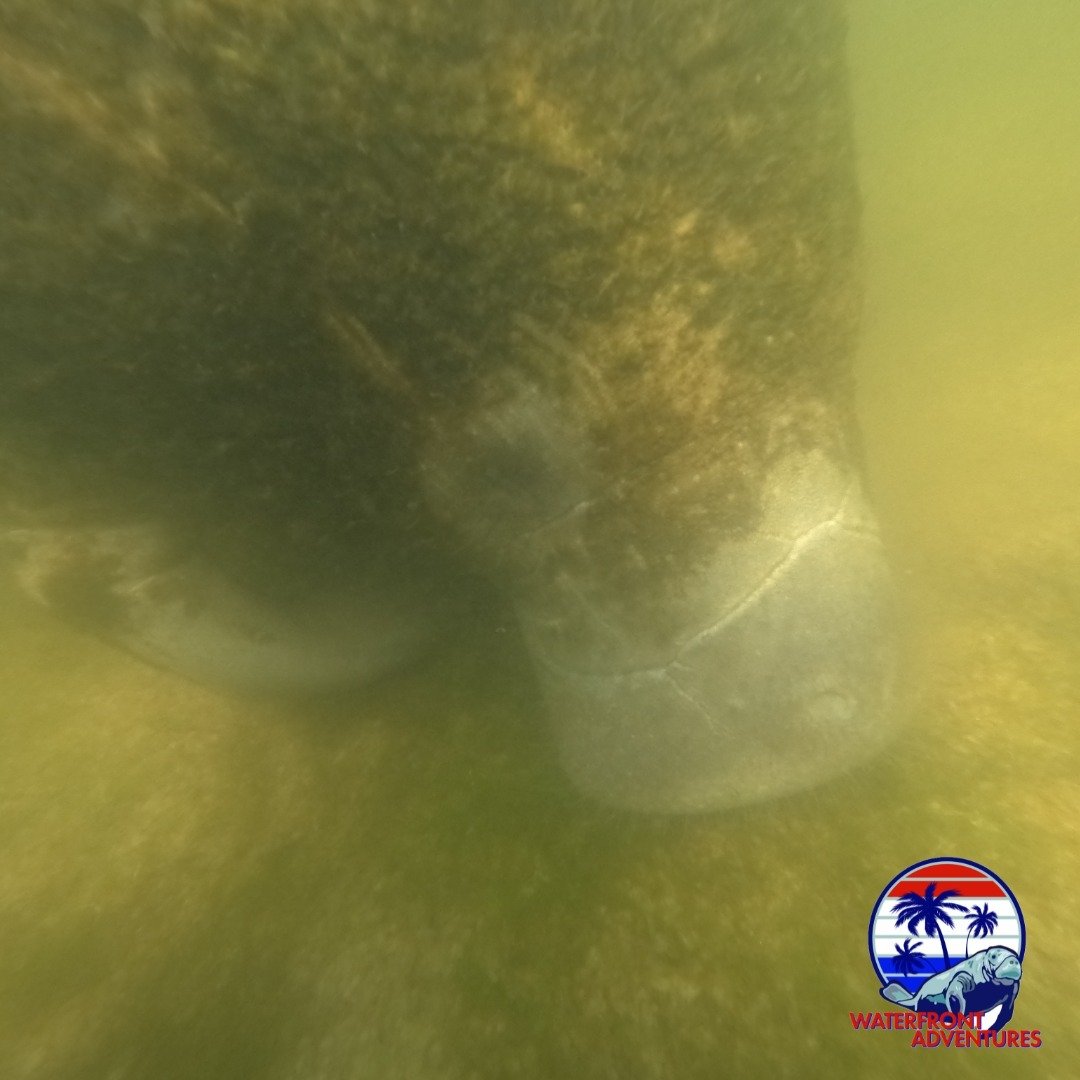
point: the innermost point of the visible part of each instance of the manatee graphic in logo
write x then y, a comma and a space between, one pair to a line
947, 937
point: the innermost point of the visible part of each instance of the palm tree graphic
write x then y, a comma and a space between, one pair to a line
930, 910
983, 923
908, 958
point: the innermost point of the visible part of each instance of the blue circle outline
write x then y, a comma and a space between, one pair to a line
930, 862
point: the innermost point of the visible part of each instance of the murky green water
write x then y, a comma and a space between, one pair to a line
400, 885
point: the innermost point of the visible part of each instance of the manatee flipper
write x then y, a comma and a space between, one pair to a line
955, 995
895, 993
127, 584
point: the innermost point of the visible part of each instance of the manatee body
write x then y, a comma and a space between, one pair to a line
984, 981
369, 297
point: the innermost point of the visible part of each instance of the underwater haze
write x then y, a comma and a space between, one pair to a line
400, 885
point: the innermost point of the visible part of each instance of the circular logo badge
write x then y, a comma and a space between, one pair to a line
935, 915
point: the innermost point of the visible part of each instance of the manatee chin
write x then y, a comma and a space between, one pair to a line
779, 677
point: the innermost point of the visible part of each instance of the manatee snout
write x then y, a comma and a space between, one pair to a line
774, 674
761, 665
1008, 968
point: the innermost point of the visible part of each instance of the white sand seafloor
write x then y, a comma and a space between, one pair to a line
399, 884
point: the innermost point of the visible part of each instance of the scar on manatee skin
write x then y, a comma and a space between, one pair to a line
368, 356
734, 610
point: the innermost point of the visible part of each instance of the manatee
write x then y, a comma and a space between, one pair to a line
361, 307
984, 981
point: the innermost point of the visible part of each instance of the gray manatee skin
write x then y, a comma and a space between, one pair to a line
562, 293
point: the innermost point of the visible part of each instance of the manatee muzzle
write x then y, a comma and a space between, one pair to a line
1008, 970
779, 677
